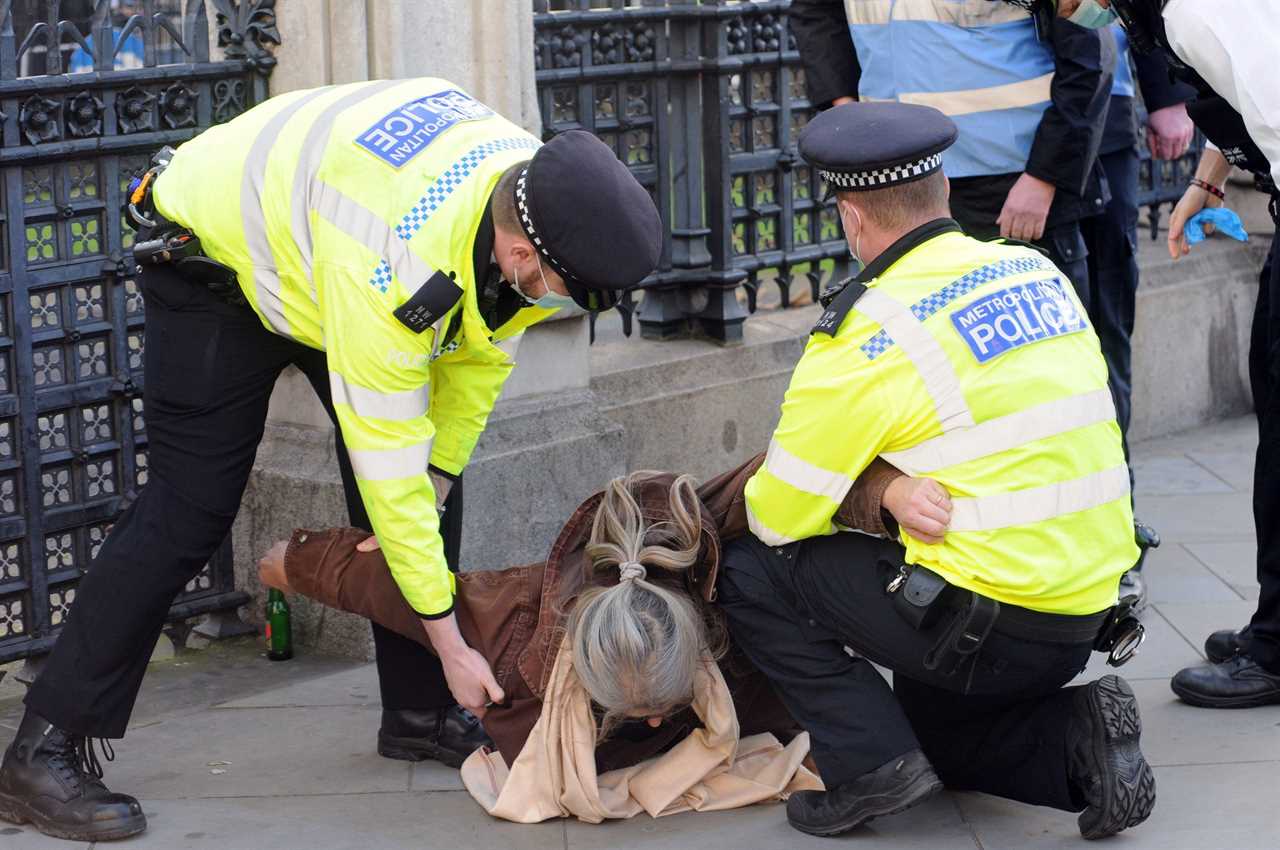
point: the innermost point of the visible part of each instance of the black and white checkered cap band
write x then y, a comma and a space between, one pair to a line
881, 177
522, 207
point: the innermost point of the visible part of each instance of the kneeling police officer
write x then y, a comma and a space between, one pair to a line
388, 238
971, 363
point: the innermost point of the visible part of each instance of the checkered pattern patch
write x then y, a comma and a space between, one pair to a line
880, 342
451, 178
882, 176
381, 279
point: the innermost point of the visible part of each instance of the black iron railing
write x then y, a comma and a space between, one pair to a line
88, 90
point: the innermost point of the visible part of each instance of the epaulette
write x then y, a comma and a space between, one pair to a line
838, 300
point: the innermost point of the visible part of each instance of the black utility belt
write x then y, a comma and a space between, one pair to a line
924, 599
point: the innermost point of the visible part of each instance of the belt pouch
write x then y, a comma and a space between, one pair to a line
922, 598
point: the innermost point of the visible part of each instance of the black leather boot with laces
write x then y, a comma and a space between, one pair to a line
53, 780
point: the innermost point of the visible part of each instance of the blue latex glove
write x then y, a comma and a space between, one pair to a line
1225, 220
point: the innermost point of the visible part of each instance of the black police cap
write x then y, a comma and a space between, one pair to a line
862, 146
588, 217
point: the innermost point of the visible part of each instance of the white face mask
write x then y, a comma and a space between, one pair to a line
1090, 15
550, 299
856, 250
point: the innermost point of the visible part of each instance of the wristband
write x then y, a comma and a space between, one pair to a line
1209, 187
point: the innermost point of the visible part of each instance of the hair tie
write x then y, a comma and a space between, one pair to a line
631, 571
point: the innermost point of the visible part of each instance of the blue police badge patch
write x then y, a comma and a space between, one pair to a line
1020, 315
405, 132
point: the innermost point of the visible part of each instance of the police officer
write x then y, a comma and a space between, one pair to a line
973, 364
393, 239
1228, 54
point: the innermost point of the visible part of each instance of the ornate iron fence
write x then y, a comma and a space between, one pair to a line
704, 100
88, 90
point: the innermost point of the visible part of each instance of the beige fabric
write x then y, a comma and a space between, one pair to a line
712, 769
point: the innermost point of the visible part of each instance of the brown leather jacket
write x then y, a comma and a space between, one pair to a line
515, 617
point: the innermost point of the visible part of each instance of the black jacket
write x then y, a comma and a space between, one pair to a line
1065, 148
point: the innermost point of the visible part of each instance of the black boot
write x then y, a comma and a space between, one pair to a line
1107, 768
53, 780
1224, 644
893, 787
447, 735
1238, 682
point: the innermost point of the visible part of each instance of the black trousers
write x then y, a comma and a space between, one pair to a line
997, 725
1264, 375
1112, 242
210, 370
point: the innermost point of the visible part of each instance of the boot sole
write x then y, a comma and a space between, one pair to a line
16, 811
417, 749
882, 805
1201, 701
1128, 783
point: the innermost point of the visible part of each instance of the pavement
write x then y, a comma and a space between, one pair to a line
229, 751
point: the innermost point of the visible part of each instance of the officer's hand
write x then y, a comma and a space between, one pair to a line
1026, 209
369, 544
843, 99
468, 674
921, 506
1169, 131
1193, 200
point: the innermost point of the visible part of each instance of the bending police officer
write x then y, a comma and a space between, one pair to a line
388, 237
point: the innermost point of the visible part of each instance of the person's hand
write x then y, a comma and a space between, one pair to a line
1169, 131
470, 679
842, 100
369, 544
1026, 208
1193, 200
442, 486
921, 506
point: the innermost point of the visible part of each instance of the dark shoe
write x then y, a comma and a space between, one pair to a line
53, 780
447, 735
1107, 767
891, 788
1238, 682
1133, 584
1220, 646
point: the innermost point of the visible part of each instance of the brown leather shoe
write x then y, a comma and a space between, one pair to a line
53, 780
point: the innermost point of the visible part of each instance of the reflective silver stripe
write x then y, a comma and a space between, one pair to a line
366, 227
1036, 504
1005, 432
763, 533
390, 464
312, 153
802, 475
370, 404
924, 352
266, 280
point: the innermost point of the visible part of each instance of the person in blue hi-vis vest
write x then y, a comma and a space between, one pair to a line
1029, 97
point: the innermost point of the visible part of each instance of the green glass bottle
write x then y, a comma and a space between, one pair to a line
279, 627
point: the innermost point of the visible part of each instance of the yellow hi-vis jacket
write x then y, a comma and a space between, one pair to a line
333, 206
973, 364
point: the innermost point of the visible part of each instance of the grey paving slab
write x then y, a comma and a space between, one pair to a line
400, 821
1202, 807
434, 776
1173, 475
1234, 467
1196, 620
936, 824
1174, 574
1175, 733
271, 751
1202, 517
26, 838
357, 686
1235, 561
1163, 653
1229, 435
